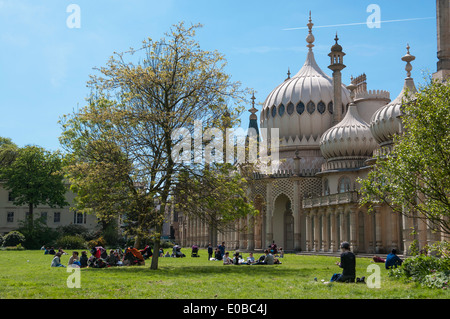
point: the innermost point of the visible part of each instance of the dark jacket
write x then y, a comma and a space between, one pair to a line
348, 263
392, 261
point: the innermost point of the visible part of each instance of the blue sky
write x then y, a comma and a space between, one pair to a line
44, 64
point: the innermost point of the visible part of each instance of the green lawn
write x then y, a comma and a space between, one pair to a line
27, 274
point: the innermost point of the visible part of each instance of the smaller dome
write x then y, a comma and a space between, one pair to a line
385, 122
336, 47
349, 138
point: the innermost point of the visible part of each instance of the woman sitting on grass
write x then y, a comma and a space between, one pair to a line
56, 262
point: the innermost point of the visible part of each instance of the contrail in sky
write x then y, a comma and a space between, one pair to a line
357, 23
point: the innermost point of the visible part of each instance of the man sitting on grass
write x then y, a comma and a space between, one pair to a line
347, 263
392, 260
268, 259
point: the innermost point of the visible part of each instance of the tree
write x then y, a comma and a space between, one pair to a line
7, 151
102, 176
35, 177
414, 179
137, 106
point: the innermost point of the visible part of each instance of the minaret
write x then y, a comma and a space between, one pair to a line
443, 39
337, 64
253, 117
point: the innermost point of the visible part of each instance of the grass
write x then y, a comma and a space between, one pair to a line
28, 275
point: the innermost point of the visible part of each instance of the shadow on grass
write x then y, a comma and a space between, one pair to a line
195, 270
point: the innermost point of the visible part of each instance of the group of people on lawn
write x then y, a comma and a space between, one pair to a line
100, 259
271, 256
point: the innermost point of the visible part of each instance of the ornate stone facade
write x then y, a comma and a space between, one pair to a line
310, 203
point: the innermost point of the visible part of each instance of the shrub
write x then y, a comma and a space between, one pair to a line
439, 279
71, 242
73, 230
18, 247
13, 238
427, 270
96, 242
37, 234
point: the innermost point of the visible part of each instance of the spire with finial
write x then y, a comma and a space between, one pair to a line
408, 58
288, 74
253, 110
253, 123
336, 47
310, 36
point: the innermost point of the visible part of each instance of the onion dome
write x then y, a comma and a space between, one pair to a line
385, 122
302, 106
349, 138
336, 47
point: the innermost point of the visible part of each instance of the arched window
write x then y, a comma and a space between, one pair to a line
300, 108
326, 187
274, 111
311, 107
290, 108
321, 107
281, 109
344, 185
330, 107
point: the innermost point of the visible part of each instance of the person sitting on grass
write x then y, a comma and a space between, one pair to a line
73, 260
267, 260
83, 259
347, 263
218, 254
237, 259
226, 259
250, 259
392, 260
56, 262
113, 258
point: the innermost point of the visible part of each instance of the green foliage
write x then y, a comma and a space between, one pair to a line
8, 151
414, 179
429, 271
96, 242
439, 279
13, 238
37, 233
34, 177
73, 230
71, 242
111, 235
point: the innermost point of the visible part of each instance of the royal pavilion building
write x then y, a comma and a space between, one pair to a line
329, 136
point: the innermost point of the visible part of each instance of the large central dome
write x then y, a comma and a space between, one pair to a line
302, 106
